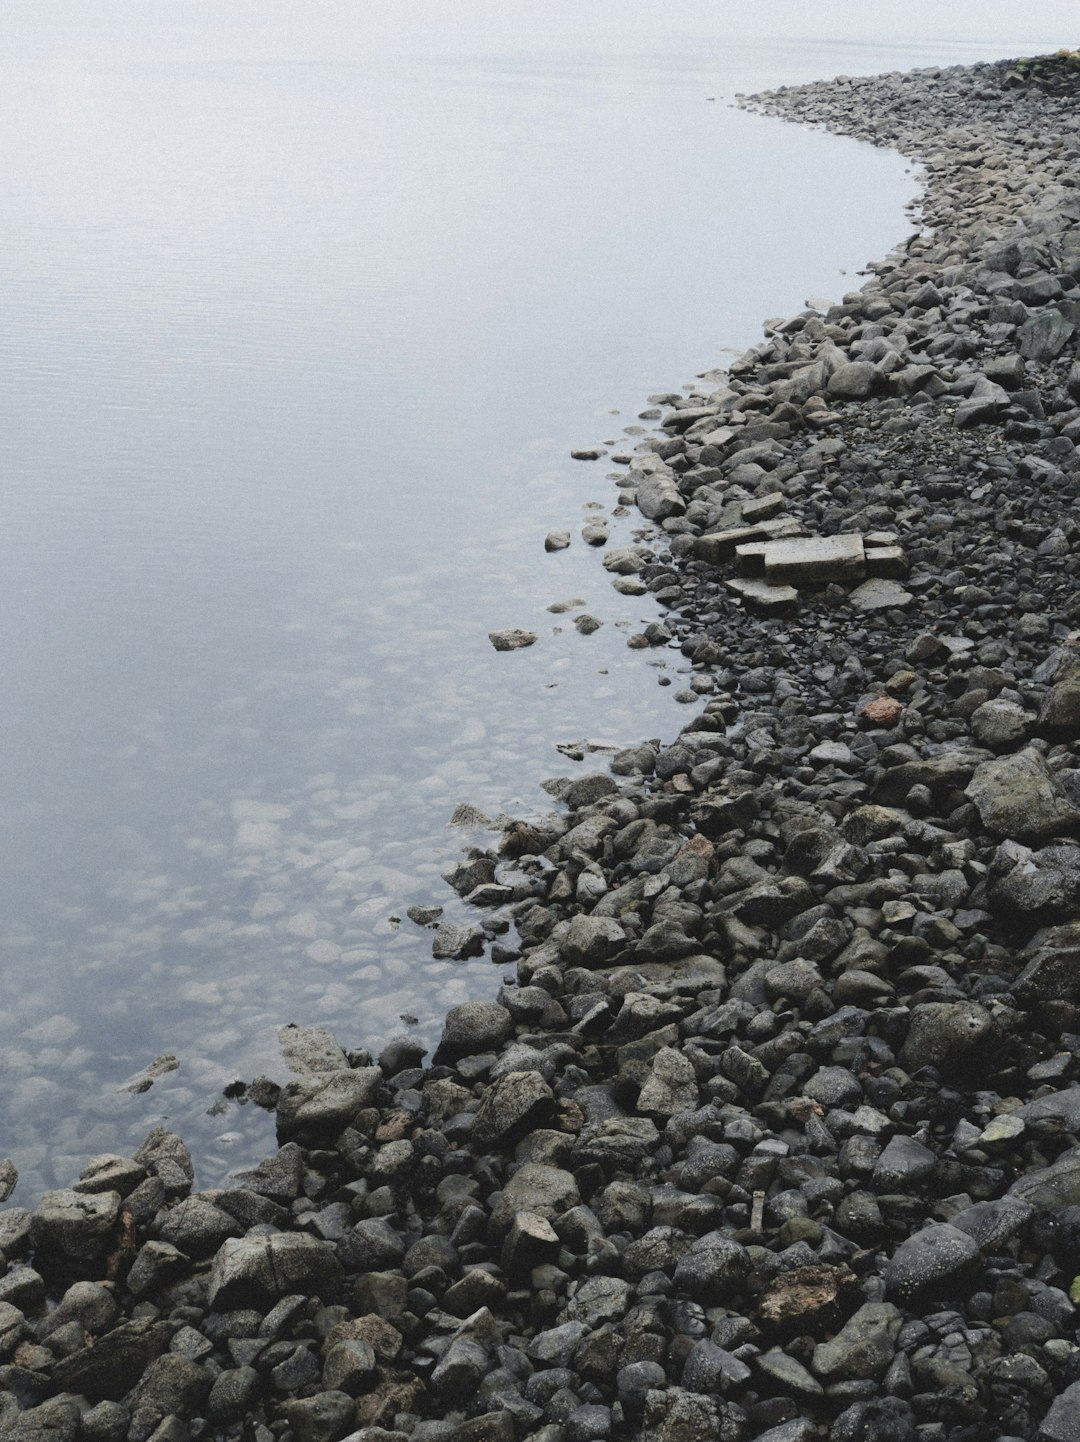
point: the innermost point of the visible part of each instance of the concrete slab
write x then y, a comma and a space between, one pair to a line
879, 595
886, 561
760, 596
810, 559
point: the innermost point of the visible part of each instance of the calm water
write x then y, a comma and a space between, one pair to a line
302, 311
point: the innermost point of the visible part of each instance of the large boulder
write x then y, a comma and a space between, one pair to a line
78, 1225
1019, 797
255, 1270
322, 1104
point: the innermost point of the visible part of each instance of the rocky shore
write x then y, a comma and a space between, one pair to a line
775, 1136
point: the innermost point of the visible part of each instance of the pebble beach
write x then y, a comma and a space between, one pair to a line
774, 1135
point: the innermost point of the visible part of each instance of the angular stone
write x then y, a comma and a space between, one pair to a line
985, 403
1051, 1188
593, 940
1018, 796
888, 562
116, 1361
1044, 335
323, 1103
1062, 1421
671, 1085
308, 1049
512, 1105
852, 380
78, 1224
945, 1034
863, 1348
1059, 718
254, 1270
512, 639
1053, 964
878, 595
814, 559
471, 1028
759, 595
936, 1262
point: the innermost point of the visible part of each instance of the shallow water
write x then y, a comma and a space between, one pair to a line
303, 309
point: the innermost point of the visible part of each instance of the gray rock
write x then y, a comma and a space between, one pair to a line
1043, 883
56, 1420
902, 1165
154, 1263
1017, 796
814, 559
556, 540
1000, 724
512, 639
471, 1028
1044, 335
863, 1348
110, 1368
171, 1386
658, 498
713, 1270
79, 1225
936, 1262
512, 1105
318, 1106
879, 594
309, 1049
671, 1085
945, 1034
991, 1224
91, 1305
535, 1187
324, 1418
166, 1157
456, 943
1052, 968
985, 403
1059, 716
1049, 1189
711, 1369
599, 1300
1062, 1421
851, 381
593, 940
233, 1394
349, 1366
254, 1270
556, 1346
196, 1227
9, 1177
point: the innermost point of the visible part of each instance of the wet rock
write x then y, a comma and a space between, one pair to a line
945, 1034
323, 1103
1018, 797
255, 1270
514, 1104
473, 1027
863, 1348
77, 1225
939, 1261
327, 1417
512, 639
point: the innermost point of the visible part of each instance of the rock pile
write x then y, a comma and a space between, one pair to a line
774, 1136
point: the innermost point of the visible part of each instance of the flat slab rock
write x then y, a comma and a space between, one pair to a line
814, 558
760, 595
879, 594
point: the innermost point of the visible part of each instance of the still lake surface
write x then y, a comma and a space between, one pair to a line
303, 308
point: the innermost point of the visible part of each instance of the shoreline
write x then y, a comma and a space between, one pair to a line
773, 1137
